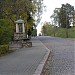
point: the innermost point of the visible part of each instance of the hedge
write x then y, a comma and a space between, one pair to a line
4, 49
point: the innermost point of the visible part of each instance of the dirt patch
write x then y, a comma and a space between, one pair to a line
46, 70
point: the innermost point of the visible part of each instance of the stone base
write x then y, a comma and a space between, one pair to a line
14, 46
19, 36
20, 44
27, 44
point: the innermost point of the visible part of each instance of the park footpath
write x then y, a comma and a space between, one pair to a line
25, 61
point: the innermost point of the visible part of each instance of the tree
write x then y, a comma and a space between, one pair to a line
38, 10
34, 32
1, 1
12, 9
47, 29
74, 18
63, 16
55, 17
66, 15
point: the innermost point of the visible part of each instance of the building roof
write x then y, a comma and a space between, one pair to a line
20, 21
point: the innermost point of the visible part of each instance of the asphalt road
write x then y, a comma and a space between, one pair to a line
62, 53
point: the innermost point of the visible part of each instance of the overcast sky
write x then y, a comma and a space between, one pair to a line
50, 6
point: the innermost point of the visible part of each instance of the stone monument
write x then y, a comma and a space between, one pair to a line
20, 30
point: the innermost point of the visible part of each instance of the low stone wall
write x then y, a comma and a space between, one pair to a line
17, 45
14, 46
27, 44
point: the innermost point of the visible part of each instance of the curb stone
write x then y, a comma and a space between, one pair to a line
40, 67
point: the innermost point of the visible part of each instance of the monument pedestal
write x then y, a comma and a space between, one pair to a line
19, 36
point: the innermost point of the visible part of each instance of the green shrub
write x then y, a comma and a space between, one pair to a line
4, 49
5, 31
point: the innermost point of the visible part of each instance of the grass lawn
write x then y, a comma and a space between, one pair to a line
61, 32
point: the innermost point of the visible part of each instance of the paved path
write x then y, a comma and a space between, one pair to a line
63, 55
23, 61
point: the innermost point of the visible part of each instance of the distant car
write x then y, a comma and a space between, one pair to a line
39, 34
